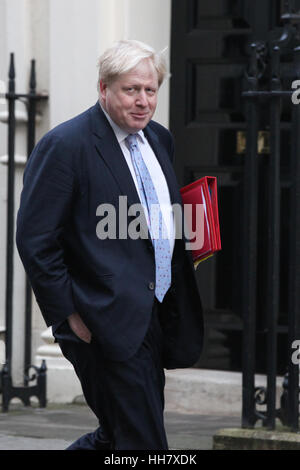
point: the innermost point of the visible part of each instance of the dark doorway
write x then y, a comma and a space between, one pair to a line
209, 56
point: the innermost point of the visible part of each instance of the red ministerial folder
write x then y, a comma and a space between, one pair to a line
202, 194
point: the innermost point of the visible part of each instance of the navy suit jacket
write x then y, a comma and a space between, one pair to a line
73, 169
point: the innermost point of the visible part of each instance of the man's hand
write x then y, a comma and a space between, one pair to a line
79, 328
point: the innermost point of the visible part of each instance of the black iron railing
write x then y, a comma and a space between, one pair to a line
7, 388
255, 94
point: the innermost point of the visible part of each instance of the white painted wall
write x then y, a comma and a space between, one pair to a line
154, 30
78, 36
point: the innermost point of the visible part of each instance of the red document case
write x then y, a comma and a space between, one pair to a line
207, 229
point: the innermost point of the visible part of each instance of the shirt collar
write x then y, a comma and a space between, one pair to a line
120, 133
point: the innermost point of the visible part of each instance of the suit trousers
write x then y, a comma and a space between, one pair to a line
127, 397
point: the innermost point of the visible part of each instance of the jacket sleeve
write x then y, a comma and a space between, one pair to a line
46, 200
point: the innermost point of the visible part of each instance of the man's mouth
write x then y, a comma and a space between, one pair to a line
139, 115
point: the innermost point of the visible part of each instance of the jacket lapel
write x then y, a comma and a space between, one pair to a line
109, 150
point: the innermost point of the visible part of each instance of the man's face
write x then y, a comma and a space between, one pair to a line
131, 99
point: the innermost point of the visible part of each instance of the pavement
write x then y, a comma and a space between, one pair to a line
57, 426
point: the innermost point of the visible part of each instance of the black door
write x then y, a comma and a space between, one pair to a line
209, 56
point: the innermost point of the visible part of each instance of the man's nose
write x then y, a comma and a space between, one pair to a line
142, 98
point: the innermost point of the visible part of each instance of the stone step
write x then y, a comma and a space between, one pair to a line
255, 439
208, 392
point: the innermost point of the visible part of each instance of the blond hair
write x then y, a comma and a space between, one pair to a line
123, 56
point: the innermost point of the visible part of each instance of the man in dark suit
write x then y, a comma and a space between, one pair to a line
122, 307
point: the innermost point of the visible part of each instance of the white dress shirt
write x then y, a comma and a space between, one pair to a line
156, 173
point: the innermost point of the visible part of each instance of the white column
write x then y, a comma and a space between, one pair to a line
73, 50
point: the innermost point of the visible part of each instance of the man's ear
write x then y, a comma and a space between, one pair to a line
103, 89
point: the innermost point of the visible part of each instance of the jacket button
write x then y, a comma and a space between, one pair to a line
151, 285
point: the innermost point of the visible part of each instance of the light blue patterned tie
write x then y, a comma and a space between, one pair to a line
150, 200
